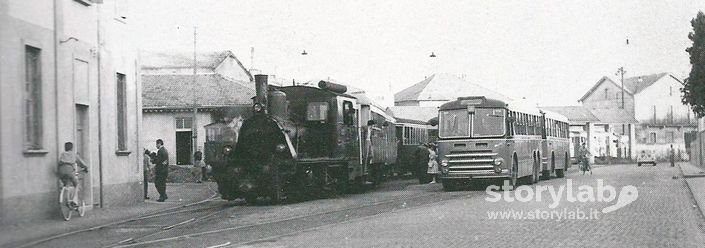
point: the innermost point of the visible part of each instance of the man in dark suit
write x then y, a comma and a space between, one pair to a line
161, 170
420, 161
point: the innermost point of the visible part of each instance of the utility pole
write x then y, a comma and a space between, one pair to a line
194, 126
621, 72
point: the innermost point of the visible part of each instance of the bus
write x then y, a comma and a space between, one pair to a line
485, 138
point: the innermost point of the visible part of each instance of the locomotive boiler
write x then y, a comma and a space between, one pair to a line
304, 141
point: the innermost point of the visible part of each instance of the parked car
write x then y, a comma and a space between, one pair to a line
646, 157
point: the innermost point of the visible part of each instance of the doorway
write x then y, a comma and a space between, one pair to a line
183, 147
82, 148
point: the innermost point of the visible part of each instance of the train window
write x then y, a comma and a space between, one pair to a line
317, 111
348, 113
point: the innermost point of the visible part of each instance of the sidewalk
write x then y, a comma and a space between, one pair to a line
694, 177
179, 195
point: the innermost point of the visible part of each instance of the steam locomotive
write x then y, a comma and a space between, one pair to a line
304, 141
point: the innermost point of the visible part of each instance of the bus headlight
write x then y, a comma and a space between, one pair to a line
498, 161
281, 148
444, 163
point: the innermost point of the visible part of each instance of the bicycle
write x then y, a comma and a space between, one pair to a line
66, 201
585, 165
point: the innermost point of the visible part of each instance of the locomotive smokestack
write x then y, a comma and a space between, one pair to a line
261, 97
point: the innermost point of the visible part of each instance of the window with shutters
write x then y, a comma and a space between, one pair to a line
33, 99
121, 111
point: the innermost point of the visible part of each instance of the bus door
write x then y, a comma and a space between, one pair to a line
545, 144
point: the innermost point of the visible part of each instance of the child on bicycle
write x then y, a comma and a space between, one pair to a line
68, 170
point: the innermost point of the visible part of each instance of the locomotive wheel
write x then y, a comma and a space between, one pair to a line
341, 183
251, 199
278, 194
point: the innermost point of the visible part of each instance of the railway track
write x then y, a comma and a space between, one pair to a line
211, 222
227, 236
182, 209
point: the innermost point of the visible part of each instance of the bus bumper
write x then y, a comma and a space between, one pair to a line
476, 175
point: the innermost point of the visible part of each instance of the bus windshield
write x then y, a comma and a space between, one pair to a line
488, 122
454, 123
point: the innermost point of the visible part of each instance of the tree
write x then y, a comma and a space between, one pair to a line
694, 86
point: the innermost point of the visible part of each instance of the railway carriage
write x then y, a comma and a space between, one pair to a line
411, 134
304, 141
484, 138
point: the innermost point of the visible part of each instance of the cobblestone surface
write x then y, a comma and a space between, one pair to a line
663, 215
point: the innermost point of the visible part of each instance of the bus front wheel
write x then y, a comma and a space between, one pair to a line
513, 179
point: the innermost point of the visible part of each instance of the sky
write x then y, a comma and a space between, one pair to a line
550, 52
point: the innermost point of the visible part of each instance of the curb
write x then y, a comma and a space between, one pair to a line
693, 175
700, 210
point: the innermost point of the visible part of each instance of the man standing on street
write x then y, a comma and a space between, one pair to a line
161, 170
672, 156
420, 163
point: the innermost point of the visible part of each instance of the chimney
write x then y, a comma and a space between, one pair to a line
261, 89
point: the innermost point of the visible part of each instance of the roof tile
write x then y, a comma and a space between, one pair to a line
173, 91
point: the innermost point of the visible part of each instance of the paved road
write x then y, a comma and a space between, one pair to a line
218, 222
661, 216
401, 214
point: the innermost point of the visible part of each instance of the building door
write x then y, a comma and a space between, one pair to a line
183, 147
82, 148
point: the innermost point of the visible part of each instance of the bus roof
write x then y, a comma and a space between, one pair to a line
478, 101
512, 105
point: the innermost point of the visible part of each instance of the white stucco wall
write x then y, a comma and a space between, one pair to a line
163, 126
28, 183
613, 100
662, 94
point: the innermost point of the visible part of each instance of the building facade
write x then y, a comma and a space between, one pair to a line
654, 101
439, 88
221, 90
68, 75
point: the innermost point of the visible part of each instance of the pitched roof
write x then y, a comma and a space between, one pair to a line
575, 114
417, 113
613, 116
150, 59
639, 83
175, 91
443, 87
632, 85
599, 82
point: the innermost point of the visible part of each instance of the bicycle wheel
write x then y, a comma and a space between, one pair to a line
82, 208
64, 199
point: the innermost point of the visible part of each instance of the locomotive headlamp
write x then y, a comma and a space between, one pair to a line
281, 148
258, 107
498, 161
